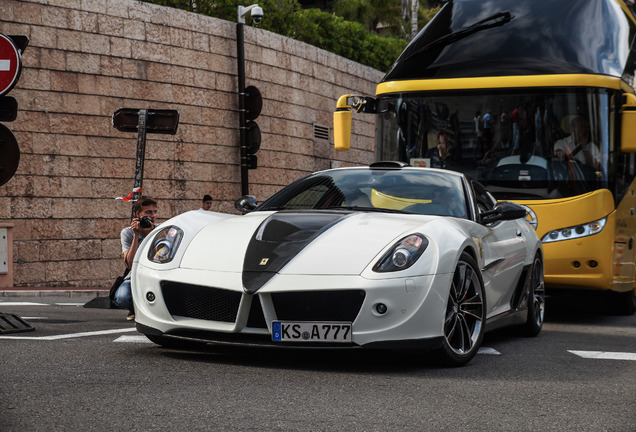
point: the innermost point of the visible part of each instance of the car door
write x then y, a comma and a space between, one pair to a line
503, 249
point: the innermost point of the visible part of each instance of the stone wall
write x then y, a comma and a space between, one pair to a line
88, 58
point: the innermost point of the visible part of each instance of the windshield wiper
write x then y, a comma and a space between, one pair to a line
495, 20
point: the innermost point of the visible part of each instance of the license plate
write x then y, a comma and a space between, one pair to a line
286, 331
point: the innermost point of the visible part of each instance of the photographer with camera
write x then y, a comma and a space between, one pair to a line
131, 237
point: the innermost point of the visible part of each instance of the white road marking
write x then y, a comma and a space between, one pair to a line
72, 335
487, 350
133, 339
2, 304
605, 355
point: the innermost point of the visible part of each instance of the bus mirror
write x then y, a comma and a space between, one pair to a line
342, 124
343, 116
628, 124
342, 130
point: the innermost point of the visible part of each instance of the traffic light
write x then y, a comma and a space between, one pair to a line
252, 143
11, 48
253, 106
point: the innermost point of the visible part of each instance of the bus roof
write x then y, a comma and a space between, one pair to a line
476, 38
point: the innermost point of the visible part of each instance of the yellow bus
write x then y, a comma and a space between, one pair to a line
536, 100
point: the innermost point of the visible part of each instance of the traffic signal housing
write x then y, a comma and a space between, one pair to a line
253, 107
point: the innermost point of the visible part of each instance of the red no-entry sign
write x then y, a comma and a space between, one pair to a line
10, 64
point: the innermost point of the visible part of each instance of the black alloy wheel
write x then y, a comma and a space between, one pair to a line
536, 300
465, 316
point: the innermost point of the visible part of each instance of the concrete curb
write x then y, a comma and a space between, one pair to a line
70, 292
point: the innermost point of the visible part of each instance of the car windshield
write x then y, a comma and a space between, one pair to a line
416, 191
519, 144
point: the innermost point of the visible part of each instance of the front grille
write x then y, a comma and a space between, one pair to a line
214, 304
318, 305
200, 302
256, 318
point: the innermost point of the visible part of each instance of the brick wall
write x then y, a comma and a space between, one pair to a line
88, 58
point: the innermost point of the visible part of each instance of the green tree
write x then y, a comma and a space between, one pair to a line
375, 15
424, 15
322, 29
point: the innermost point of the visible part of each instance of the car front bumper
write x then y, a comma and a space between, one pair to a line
213, 306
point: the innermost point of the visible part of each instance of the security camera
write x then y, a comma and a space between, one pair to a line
255, 10
257, 15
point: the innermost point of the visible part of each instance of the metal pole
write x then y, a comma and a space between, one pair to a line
139, 161
240, 58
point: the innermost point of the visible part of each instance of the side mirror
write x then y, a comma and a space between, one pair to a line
504, 210
246, 203
628, 124
342, 119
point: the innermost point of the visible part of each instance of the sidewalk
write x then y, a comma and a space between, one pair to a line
84, 292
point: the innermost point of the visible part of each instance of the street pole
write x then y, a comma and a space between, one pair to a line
139, 160
257, 15
240, 58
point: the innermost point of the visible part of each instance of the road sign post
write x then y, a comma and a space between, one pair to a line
144, 121
10, 64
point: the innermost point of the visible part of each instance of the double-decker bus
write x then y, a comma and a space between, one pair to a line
536, 100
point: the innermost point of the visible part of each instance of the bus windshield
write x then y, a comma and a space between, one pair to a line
521, 144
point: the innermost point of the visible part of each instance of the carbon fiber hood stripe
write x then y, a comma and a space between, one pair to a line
278, 240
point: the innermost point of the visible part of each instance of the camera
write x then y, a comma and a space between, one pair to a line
145, 222
257, 15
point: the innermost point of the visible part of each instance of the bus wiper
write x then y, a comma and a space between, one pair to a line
495, 20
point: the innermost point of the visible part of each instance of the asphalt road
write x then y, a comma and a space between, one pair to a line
88, 369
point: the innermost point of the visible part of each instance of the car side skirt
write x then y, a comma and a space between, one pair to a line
506, 319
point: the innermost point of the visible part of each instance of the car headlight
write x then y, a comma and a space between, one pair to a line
578, 231
165, 245
403, 254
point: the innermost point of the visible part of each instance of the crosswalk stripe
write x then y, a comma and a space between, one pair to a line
71, 335
604, 355
133, 339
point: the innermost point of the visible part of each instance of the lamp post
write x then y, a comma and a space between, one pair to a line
257, 16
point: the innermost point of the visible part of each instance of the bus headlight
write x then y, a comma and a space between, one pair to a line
573, 232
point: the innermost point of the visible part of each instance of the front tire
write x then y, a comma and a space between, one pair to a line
624, 303
536, 300
465, 316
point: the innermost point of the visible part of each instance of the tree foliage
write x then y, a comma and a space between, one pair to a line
350, 39
375, 15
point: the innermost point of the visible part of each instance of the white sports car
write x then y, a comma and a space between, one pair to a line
385, 256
